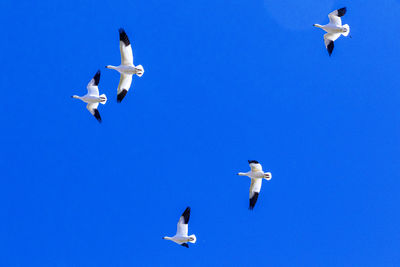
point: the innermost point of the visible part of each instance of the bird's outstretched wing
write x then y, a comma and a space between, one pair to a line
329, 39
255, 165
92, 107
182, 227
255, 189
123, 87
92, 87
334, 16
126, 48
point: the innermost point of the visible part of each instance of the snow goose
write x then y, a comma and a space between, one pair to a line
334, 28
126, 69
181, 237
92, 97
256, 174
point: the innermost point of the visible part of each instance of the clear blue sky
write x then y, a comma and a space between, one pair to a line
224, 82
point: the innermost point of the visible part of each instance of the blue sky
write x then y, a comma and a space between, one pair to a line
224, 82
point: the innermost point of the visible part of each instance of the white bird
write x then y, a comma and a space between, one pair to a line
334, 28
181, 237
256, 174
92, 97
126, 69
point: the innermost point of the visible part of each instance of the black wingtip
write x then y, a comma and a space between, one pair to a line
186, 245
97, 78
123, 37
341, 11
330, 48
186, 215
253, 201
97, 115
121, 95
253, 161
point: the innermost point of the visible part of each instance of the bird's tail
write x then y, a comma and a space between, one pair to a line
346, 26
139, 70
267, 176
194, 239
103, 99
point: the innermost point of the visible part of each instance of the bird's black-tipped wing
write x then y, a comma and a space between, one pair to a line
186, 245
182, 226
96, 78
125, 49
123, 37
255, 165
253, 201
330, 47
121, 95
255, 188
329, 39
186, 216
341, 11
97, 115
335, 16
92, 107
92, 86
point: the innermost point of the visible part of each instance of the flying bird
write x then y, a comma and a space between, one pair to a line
334, 28
256, 174
181, 237
126, 69
92, 97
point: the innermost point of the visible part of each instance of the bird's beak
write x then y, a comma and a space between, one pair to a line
72, 96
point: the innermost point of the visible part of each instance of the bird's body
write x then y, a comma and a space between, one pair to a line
256, 174
127, 69
334, 28
181, 237
92, 97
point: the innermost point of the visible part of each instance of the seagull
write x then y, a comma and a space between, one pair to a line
256, 174
181, 236
334, 28
92, 97
127, 69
